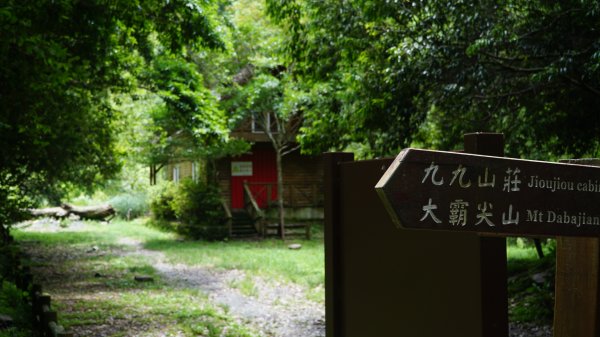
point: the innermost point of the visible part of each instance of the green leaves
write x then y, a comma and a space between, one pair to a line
190, 120
397, 73
62, 62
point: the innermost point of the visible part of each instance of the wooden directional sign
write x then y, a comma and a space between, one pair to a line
465, 192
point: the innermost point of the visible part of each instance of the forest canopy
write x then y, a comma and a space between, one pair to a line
89, 86
387, 74
61, 62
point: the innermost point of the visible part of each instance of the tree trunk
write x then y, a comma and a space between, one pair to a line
5, 234
281, 228
152, 174
100, 212
53, 212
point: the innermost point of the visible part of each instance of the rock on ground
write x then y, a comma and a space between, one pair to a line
529, 330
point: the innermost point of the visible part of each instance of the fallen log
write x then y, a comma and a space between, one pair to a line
98, 212
51, 212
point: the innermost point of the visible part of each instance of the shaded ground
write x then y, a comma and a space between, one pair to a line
276, 309
98, 300
529, 330
84, 289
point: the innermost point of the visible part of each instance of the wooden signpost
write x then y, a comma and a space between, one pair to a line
452, 191
456, 285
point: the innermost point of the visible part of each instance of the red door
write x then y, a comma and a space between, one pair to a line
259, 170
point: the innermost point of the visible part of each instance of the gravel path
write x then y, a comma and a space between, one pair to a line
275, 309
272, 308
529, 330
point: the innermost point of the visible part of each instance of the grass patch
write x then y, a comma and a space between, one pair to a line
531, 281
14, 303
267, 258
94, 289
166, 309
270, 259
246, 286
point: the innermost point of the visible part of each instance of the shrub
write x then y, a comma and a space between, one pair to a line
15, 303
134, 204
8, 263
195, 205
161, 201
198, 207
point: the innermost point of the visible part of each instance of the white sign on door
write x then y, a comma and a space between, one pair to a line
241, 168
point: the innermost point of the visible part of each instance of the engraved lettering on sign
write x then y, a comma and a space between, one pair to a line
554, 184
486, 182
570, 219
440, 190
484, 215
428, 209
458, 213
588, 186
511, 180
508, 219
460, 174
535, 216
432, 170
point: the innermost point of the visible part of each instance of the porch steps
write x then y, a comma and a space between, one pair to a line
242, 225
291, 230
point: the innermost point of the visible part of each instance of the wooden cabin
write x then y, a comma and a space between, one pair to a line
257, 169
302, 175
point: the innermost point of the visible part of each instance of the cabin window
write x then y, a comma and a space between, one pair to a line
257, 126
176, 173
195, 172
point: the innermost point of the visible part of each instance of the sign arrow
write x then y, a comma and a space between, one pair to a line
440, 190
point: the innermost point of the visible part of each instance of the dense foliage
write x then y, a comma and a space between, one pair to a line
60, 63
14, 302
195, 206
90, 87
388, 74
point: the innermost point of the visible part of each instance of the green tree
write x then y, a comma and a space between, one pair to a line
60, 62
264, 103
186, 123
388, 74
260, 83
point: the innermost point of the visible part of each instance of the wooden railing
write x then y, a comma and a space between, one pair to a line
307, 194
45, 317
252, 208
228, 217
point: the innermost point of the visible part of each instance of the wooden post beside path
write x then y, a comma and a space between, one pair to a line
577, 300
494, 293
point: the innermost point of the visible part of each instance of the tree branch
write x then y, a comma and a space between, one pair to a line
552, 23
292, 149
508, 94
583, 85
498, 60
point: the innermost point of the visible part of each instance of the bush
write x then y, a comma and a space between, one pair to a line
161, 201
134, 204
8, 263
195, 205
15, 303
